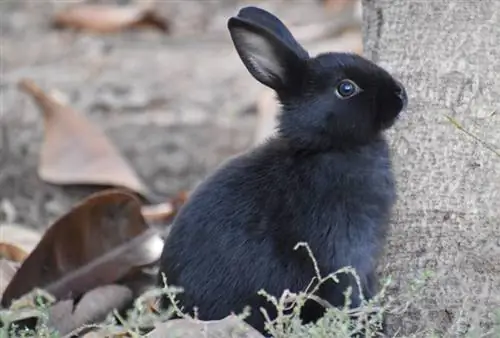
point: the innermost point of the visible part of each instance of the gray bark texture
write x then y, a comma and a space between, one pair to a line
447, 53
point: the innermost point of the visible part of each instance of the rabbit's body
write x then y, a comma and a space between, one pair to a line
341, 212
325, 179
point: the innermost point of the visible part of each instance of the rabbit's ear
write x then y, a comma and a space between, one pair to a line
268, 20
267, 48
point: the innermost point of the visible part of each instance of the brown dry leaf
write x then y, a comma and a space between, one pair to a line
344, 7
109, 18
16, 241
94, 306
7, 271
338, 5
164, 212
68, 317
93, 334
229, 327
74, 151
98, 242
12, 253
108, 332
339, 16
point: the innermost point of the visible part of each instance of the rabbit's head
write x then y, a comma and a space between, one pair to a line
331, 100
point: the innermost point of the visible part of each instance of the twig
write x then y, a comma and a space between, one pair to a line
461, 128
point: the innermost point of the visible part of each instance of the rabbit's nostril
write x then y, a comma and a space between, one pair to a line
401, 94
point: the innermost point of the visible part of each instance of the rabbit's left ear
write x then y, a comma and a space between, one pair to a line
269, 21
267, 48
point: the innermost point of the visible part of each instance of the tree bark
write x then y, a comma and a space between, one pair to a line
447, 53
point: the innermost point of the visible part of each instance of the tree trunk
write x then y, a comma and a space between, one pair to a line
447, 53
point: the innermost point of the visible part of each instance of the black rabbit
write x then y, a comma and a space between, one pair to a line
324, 179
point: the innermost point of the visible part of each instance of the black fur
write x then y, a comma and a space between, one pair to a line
324, 179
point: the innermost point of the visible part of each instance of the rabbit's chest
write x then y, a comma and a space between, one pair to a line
368, 182
347, 210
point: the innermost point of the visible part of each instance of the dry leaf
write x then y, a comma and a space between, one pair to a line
340, 15
98, 242
94, 306
16, 241
12, 253
108, 332
164, 212
93, 334
344, 7
229, 327
7, 271
109, 18
74, 151
338, 5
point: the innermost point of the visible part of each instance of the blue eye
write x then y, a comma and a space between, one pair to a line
346, 88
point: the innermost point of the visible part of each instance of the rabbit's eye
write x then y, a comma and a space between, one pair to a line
346, 89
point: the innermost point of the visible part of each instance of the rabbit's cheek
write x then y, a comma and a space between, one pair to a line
388, 111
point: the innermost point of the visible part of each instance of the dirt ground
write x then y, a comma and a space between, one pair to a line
175, 105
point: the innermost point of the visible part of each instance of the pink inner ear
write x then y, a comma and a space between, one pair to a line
260, 53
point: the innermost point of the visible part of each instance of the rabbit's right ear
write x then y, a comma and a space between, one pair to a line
267, 48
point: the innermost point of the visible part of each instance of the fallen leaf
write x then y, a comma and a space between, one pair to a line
229, 327
337, 6
7, 271
94, 334
93, 307
74, 151
339, 16
108, 331
109, 18
17, 241
12, 252
98, 242
164, 212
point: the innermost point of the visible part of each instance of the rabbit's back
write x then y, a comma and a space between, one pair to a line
237, 233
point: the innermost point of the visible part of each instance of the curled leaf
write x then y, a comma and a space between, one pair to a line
12, 253
74, 151
337, 6
229, 327
108, 331
16, 241
109, 18
93, 307
98, 242
164, 212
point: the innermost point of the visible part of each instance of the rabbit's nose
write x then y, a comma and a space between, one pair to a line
401, 93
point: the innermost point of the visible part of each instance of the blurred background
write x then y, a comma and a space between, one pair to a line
160, 79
